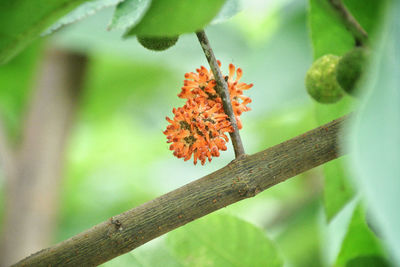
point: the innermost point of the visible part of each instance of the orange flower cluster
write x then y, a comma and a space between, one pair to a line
200, 126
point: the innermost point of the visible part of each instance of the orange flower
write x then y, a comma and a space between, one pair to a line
200, 126
202, 84
198, 129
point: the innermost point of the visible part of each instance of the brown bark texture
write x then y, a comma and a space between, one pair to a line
242, 178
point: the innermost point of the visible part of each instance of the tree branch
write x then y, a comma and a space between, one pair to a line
223, 92
359, 34
242, 178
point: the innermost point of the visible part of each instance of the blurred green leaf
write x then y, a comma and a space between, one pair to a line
325, 113
359, 242
283, 124
174, 17
24, 20
16, 82
128, 13
298, 238
335, 231
152, 254
328, 33
230, 8
368, 261
81, 12
337, 190
117, 84
222, 240
374, 140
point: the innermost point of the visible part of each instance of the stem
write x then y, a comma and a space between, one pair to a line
240, 179
223, 92
359, 34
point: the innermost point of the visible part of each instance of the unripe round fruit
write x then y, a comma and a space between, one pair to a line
157, 43
321, 81
350, 69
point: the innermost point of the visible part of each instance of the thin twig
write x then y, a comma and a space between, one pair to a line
222, 90
240, 179
359, 34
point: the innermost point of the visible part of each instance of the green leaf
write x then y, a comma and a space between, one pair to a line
360, 244
328, 33
129, 13
335, 231
174, 17
152, 254
338, 190
374, 140
230, 8
16, 82
297, 237
222, 240
24, 20
81, 12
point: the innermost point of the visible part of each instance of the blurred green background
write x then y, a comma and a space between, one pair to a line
117, 156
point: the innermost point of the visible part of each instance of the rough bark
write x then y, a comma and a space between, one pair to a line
242, 178
32, 188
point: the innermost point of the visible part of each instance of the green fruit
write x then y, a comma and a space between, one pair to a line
350, 69
157, 43
321, 81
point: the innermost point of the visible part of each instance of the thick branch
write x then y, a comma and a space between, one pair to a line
242, 178
359, 34
223, 92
